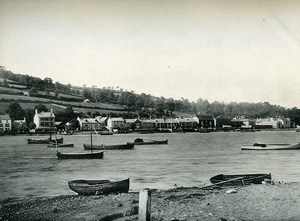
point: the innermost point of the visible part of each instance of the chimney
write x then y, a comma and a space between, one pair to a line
36, 111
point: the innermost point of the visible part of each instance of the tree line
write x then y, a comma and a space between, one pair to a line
145, 105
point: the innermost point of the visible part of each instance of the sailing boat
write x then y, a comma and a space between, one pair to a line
91, 155
45, 140
91, 146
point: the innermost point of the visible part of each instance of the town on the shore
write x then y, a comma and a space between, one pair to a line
45, 121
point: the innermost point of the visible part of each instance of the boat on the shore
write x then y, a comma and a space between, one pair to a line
53, 145
99, 187
140, 141
44, 140
263, 146
239, 179
97, 155
127, 146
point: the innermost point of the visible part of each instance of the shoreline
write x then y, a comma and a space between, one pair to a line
253, 202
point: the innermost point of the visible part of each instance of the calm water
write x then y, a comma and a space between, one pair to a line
188, 160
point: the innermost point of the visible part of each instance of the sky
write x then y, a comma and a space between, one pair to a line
242, 51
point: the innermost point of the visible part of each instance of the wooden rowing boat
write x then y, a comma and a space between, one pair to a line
262, 146
97, 155
127, 146
240, 179
53, 145
44, 140
140, 141
99, 187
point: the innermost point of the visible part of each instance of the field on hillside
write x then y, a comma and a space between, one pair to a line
4, 106
64, 103
28, 102
7, 80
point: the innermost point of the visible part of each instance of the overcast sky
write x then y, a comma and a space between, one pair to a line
244, 51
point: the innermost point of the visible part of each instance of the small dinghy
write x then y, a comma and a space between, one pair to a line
240, 179
262, 146
99, 187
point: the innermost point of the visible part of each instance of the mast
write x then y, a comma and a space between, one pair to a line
51, 124
91, 138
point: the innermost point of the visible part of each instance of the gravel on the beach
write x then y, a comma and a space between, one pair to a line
255, 202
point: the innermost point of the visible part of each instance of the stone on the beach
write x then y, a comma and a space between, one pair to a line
231, 191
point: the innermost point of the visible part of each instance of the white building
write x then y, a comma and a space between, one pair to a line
286, 122
116, 123
97, 123
274, 123
5, 123
44, 120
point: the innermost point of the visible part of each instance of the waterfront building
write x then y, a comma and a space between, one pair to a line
19, 125
286, 122
133, 124
182, 122
192, 122
206, 121
239, 122
116, 123
148, 124
44, 120
268, 123
5, 123
87, 124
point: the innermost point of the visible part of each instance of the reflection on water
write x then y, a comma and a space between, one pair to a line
188, 160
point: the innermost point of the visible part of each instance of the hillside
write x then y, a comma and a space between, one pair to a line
32, 90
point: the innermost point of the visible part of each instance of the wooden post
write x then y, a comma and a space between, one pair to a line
145, 205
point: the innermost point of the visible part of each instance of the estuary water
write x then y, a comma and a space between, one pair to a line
190, 159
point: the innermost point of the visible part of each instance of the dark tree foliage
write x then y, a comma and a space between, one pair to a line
15, 111
40, 108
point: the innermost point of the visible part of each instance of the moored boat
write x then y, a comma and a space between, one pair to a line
140, 141
98, 187
127, 146
240, 179
263, 146
106, 132
97, 155
44, 140
53, 145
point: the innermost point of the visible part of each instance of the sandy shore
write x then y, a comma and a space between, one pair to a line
255, 202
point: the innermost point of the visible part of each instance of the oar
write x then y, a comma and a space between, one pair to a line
223, 182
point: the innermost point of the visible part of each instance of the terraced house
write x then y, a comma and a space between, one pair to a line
97, 123
5, 123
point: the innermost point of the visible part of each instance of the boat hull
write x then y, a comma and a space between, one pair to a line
44, 141
109, 147
272, 147
60, 145
99, 187
98, 155
154, 142
240, 179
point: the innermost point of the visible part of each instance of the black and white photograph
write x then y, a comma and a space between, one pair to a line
161, 110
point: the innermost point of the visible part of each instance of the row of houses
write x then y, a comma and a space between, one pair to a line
120, 124
46, 120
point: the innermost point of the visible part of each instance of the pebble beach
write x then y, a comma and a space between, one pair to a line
253, 202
